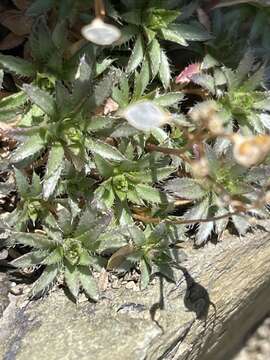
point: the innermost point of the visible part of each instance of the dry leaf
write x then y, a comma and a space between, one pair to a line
11, 41
119, 256
16, 22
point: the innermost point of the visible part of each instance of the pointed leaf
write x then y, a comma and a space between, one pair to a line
137, 55
53, 170
48, 276
88, 283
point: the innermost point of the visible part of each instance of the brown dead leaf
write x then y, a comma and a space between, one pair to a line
11, 41
16, 21
119, 256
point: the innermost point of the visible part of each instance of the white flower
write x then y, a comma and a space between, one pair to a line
146, 116
101, 33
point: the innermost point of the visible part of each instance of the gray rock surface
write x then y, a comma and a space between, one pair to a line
223, 290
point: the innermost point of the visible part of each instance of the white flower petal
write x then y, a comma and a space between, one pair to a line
146, 116
101, 33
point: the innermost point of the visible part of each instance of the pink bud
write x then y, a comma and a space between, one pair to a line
186, 75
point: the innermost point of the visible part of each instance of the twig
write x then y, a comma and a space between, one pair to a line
168, 151
99, 8
157, 220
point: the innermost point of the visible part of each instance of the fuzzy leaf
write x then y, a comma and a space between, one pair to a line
145, 274
150, 194
136, 56
53, 170
152, 175
45, 280
164, 70
142, 80
185, 188
169, 99
204, 80
105, 150
39, 7
88, 283
72, 279
17, 65
171, 35
104, 167
28, 150
22, 183
34, 240
55, 257
29, 259
154, 56
41, 98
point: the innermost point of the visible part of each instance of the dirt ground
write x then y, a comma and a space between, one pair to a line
257, 346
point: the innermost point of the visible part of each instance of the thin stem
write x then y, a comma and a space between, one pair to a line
168, 151
99, 9
153, 220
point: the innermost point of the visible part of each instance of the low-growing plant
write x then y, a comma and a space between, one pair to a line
112, 155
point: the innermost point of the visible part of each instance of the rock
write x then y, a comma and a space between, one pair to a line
221, 292
4, 291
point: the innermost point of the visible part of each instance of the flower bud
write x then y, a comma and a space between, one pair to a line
250, 151
101, 33
146, 116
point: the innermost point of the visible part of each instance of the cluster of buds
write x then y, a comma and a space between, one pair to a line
206, 113
252, 150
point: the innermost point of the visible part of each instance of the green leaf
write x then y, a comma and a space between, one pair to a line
169, 99
104, 88
17, 65
22, 183
11, 106
150, 194
34, 240
152, 175
154, 56
121, 94
103, 65
41, 98
206, 81
55, 257
173, 36
145, 274
103, 166
53, 170
185, 188
164, 70
105, 150
142, 79
48, 276
29, 259
137, 55
28, 151
39, 7
191, 32
42, 46
72, 279
88, 283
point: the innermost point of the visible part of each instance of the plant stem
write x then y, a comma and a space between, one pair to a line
157, 220
99, 8
168, 151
